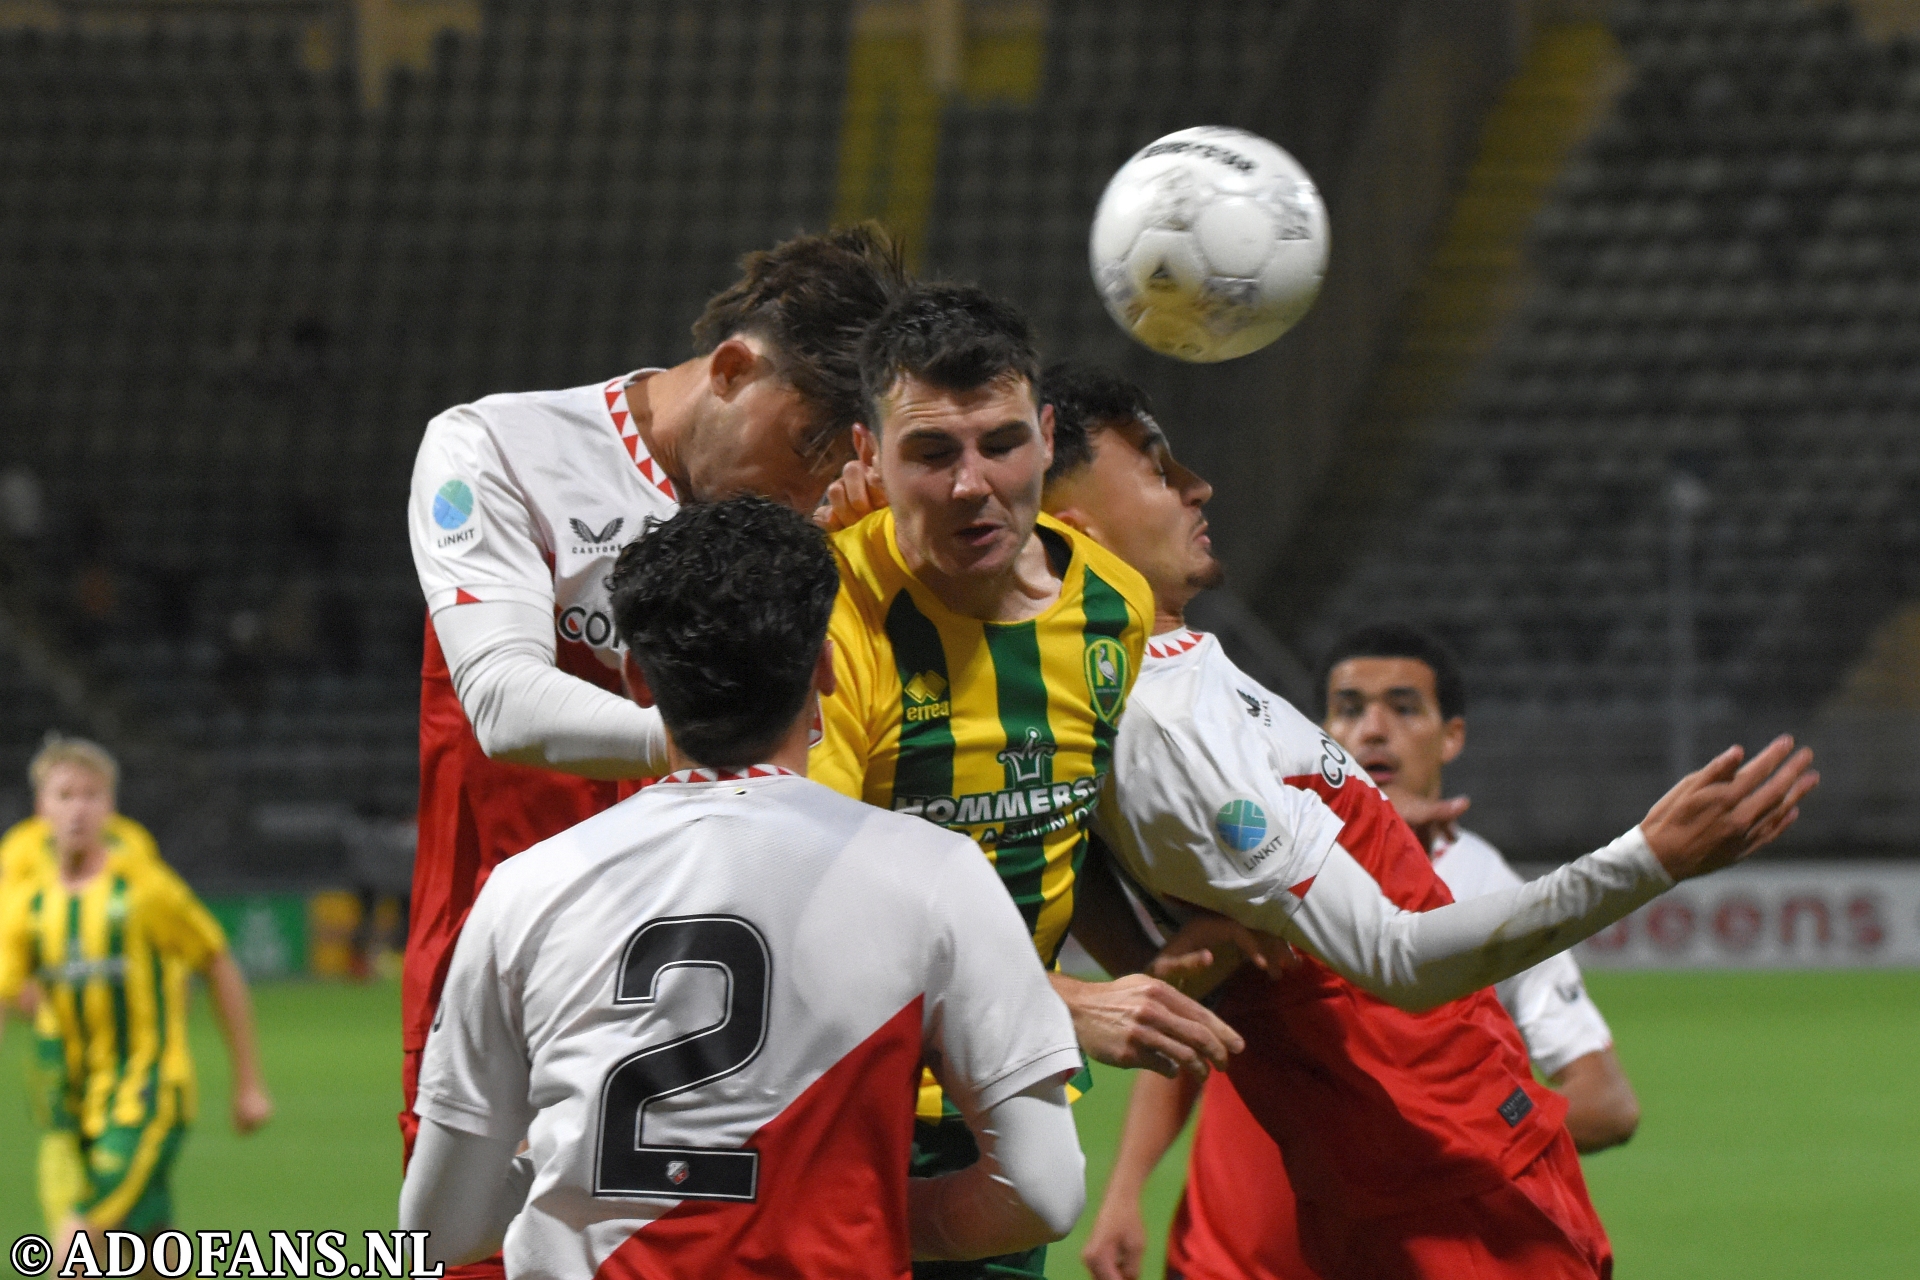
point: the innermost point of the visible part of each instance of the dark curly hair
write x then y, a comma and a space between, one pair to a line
725, 607
1398, 640
1087, 399
957, 337
811, 298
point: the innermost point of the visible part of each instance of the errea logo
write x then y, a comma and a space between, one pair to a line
925, 698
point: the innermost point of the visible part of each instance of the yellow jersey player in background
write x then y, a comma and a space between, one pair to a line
109, 937
983, 654
27, 850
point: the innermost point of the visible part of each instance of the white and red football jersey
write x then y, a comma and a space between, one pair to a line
529, 497
526, 498
1224, 796
1206, 802
1549, 1002
706, 1009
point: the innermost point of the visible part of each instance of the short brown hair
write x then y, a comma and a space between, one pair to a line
958, 337
58, 749
812, 298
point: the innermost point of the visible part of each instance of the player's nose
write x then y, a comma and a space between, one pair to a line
970, 480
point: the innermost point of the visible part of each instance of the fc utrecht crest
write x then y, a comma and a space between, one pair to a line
678, 1172
1106, 668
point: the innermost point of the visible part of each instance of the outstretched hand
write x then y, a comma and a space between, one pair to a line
1716, 816
1138, 1021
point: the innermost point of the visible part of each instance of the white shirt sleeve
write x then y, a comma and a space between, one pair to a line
1557, 1018
1027, 1188
470, 524
463, 1191
474, 1073
1417, 960
1207, 817
525, 710
489, 587
1549, 1002
993, 1026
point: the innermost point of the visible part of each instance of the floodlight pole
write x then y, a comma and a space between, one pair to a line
1685, 498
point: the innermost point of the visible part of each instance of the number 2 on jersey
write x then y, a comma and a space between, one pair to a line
625, 1164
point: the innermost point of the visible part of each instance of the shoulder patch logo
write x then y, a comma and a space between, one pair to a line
1240, 824
452, 505
1106, 668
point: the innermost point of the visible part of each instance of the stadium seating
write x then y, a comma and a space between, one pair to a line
232, 293
233, 287
1724, 287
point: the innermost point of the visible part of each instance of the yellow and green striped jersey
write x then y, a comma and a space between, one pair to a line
1001, 730
113, 961
27, 853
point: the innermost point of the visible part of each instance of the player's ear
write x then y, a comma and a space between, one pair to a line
635, 678
1068, 514
1046, 431
866, 445
731, 366
1453, 739
825, 681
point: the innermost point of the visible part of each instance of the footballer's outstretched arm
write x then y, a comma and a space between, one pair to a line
1304, 888
1026, 1190
462, 1189
1416, 960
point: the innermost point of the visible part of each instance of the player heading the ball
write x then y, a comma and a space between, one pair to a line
521, 502
706, 1010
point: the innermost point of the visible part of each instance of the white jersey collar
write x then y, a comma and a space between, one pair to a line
729, 775
1174, 643
615, 393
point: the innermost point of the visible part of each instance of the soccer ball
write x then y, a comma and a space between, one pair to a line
1209, 243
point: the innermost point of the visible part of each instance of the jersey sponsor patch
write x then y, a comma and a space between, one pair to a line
453, 513
452, 505
1240, 825
1335, 763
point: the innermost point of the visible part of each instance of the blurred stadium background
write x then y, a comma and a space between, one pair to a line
1614, 381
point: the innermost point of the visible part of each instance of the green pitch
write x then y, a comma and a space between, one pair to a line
1780, 1133
330, 1160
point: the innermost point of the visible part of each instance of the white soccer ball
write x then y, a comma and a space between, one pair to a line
1209, 243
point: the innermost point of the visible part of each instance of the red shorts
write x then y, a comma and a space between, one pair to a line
1236, 1217
1539, 1226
